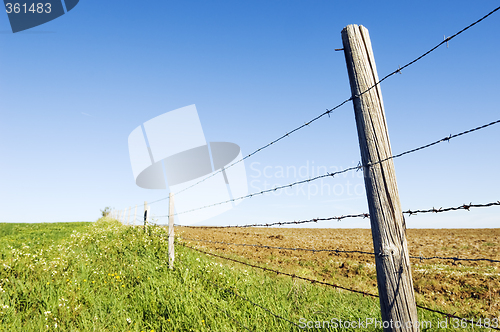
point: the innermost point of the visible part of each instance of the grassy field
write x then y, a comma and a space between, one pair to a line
104, 276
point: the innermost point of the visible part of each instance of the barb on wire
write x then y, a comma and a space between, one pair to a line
461, 207
335, 286
337, 251
328, 111
446, 139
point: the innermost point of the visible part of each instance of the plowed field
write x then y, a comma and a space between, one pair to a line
469, 288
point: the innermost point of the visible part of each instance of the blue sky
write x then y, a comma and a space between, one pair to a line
73, 89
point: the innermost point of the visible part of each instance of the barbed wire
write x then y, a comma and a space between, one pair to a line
461, 207
312, 281
445, 41
472, 322
337, 251
329, 111
228, 314
446, 139
226, 289
338, 218
457, 259
279, 248
159, 200
281, 273
250, 301
281, 223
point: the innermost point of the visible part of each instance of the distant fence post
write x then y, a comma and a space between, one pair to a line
146, 215
171, 254
395, 285
135, 214
128, 218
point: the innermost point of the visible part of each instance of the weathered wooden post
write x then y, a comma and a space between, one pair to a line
395, 285
128, 218
171, 254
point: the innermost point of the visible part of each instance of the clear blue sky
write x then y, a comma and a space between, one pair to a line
73, 89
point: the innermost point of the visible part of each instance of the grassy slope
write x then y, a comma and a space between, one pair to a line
108, 277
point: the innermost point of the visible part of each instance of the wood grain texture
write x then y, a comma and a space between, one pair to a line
395, 285
171, 254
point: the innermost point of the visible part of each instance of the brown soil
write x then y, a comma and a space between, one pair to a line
471, 289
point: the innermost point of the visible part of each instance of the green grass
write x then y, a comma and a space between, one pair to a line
38, 234
108, 277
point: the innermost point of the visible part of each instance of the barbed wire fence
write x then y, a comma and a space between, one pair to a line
122, 215
313, 281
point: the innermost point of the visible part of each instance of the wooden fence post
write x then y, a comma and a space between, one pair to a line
171, 254
395, 285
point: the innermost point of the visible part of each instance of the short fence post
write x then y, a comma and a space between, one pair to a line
128, 218
171, 254
395, 285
